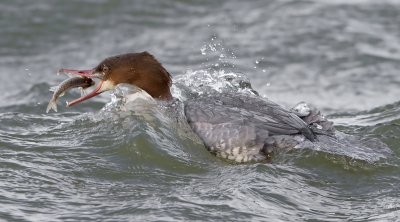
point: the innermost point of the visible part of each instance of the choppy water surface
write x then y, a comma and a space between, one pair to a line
103, 162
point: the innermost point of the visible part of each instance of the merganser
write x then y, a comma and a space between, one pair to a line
234, 126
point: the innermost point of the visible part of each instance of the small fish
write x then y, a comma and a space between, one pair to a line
73, 82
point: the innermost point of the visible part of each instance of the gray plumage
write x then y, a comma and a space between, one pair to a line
237, 126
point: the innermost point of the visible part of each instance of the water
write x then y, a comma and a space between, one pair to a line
91, 162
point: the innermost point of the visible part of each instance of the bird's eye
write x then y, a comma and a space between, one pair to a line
105, 69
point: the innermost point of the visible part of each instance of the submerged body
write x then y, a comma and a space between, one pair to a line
234, 126
74, 82
237, 126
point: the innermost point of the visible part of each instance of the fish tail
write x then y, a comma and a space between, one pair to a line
52, 105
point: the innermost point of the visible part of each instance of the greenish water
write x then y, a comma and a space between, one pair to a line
91, 162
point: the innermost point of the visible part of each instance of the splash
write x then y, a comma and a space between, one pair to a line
215, 50
209, 81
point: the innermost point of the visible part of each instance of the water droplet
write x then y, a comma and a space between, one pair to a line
26, 69
263, 70
216, 64
257, 62
203, 50
268, 84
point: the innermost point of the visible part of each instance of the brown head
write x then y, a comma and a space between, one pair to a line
139, 69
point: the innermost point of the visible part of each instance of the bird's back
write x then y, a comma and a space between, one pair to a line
236, 126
